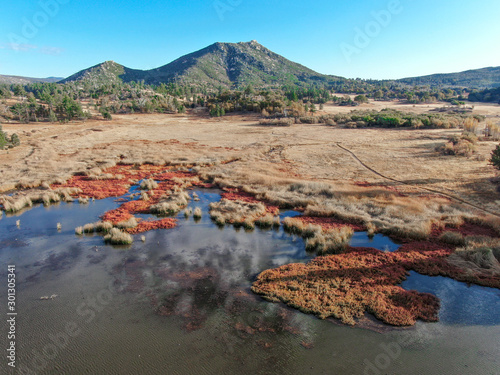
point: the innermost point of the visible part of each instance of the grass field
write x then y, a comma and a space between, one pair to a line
51, 151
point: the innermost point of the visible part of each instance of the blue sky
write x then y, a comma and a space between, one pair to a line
366, 39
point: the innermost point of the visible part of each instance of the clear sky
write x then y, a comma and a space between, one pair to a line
367, 39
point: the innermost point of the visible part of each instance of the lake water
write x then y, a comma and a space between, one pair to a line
180, 303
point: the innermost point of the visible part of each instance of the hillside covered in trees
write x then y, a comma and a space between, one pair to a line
488, 96
477, 78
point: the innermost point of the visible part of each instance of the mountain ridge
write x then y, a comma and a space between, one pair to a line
12, 80
232, 65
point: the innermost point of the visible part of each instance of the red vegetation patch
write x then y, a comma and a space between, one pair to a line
467, 229
167, 176
117, 215
122, 177
346, 286
241, 196
98, 189
330, 223
147, 225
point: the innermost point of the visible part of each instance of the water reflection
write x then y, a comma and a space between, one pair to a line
378, 241
460, 303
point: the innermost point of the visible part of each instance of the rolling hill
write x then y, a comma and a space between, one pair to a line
479, 78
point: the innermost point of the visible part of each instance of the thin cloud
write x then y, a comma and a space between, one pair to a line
18, 47
54, 51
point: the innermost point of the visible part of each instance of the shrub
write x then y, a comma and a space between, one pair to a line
495, 157
389, 118
309, 120
460, 146
14, 140
6, 142
277, 122
361, 99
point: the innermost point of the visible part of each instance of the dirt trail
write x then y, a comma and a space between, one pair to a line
416, 186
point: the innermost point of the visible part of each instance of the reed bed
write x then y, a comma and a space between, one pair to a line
171, 204
117, 237
148, 184
236, 213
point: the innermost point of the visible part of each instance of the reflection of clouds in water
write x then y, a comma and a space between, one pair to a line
198, 272
237, 256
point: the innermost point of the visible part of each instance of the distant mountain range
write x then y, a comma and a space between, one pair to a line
481, 78
239, 64
15, 80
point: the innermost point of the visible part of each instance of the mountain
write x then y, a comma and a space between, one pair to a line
480, 78
234, 64
14, 80
108, 72
220, 64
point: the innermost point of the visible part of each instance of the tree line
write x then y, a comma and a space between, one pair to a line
79, 100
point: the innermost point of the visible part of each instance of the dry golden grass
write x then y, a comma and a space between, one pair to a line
148, 184
54, 152
380, 210
478, 255
322, 241
46, 196
197, 213
171, 204
237, 213
130, 223
117, 237
298, 166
